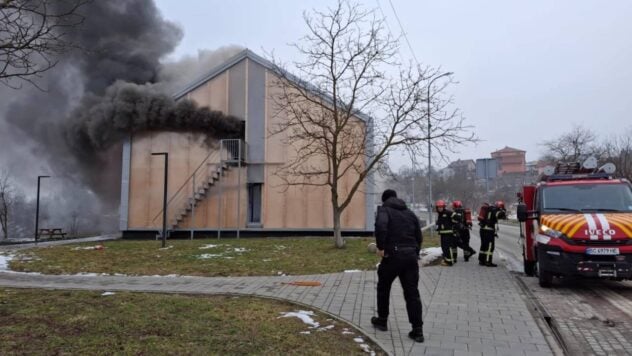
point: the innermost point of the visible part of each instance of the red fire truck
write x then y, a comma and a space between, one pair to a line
577, 222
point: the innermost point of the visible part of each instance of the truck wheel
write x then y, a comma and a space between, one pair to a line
545, 278
529, 267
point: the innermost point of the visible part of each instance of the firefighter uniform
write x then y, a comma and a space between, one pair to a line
463, 234
446, 221
488, 228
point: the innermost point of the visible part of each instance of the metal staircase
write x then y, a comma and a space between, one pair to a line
181, 205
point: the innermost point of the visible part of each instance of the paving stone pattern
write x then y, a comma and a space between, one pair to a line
593, 317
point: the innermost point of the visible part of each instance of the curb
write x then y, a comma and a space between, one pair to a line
547, 324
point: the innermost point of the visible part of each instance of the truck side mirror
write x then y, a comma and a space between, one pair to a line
522, 212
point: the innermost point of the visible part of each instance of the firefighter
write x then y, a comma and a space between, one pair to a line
446, 221
463, 231
488, 217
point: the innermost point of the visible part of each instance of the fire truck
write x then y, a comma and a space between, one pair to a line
577, 222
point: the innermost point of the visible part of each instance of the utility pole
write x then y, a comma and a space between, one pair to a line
37, 207
164, 197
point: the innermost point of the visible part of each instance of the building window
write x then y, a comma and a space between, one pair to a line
254, 203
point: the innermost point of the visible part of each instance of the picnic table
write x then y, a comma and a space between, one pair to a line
52, 233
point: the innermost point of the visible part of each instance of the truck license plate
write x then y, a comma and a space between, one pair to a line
602, 251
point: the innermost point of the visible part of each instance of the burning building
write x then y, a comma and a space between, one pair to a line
230, 184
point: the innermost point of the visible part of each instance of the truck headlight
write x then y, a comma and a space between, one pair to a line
551, 232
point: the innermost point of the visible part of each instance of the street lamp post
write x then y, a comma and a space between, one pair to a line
37, 207
164, 197
430, 150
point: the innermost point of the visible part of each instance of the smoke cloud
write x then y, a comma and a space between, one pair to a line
112, 86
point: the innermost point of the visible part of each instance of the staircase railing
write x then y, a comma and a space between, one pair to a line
230, 152
199, 176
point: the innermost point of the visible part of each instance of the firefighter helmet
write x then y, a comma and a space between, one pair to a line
500, 204
457, 204
440, 204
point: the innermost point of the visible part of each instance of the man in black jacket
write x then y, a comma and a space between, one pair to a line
398, 238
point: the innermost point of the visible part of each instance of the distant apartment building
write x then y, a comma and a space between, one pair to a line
537, 167
510, 160
463, 165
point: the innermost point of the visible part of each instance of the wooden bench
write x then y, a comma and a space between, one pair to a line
52, 233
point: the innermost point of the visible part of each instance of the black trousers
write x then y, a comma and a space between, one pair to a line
406, 267
448, 247
487, 245
463, 241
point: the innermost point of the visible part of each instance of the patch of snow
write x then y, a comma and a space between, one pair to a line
166, 248
429, 255
328, 327
352, 270
347, 333
280, 247
304, 315
229, 257
88, 274
511, 263
108, 293
95, 247
305, 332
366, 348
267, 260
209, 255
359, 340
208, 246
4, 262
240, 249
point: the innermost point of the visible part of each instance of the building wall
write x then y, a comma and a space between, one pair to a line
511, 161
245, 90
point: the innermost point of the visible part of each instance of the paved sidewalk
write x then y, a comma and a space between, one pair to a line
468, 309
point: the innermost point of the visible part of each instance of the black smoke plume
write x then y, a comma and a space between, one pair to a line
113, 85
126, 108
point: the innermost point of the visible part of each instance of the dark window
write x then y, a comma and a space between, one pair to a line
254, 203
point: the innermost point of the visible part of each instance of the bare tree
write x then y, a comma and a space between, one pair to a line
7, 199
573, 146
618, 150
344, 113
32, 33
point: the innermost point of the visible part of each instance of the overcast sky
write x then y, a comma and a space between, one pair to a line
527, 70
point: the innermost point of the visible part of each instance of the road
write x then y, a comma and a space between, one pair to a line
591, 317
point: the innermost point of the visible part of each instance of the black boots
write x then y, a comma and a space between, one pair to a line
417, 334
379, 323
467, 255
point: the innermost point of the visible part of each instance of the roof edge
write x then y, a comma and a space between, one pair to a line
247, 53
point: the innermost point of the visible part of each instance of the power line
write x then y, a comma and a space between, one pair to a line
403, 32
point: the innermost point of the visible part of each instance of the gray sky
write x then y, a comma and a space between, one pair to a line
527, 70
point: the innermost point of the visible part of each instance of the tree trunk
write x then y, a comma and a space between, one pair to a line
340, 242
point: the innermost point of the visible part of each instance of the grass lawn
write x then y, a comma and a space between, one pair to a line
88, 323
204, 257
